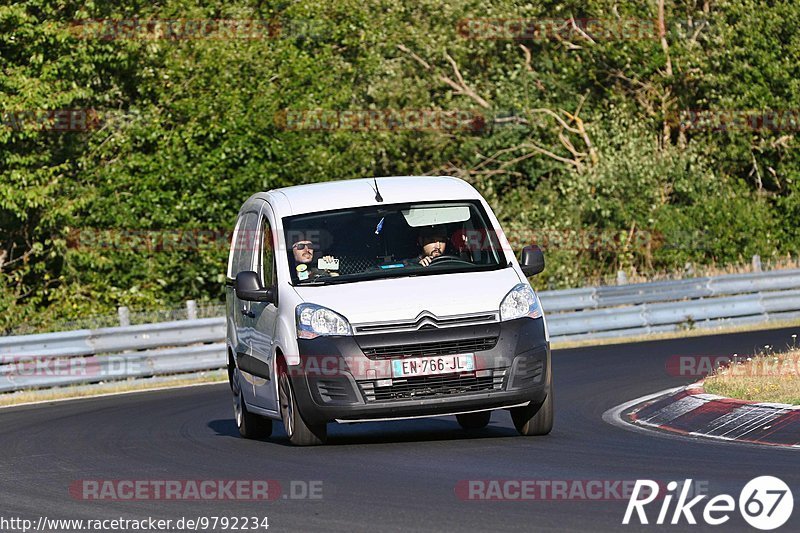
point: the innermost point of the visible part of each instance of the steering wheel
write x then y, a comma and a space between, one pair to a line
448, 258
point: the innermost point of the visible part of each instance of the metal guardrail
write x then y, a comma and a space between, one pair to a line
660, 291
641, 308
111, 340
28, 372
672, 316
107, 354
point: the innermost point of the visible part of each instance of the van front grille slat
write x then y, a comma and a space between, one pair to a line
432, 386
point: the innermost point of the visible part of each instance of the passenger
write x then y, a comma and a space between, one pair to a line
303, 251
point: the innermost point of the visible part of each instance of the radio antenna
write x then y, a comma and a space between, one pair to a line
378, 197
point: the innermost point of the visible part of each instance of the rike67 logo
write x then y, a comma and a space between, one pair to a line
765, 503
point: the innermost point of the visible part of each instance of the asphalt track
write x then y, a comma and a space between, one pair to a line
390, 476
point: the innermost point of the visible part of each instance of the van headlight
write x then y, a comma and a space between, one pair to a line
314, 321
520, 301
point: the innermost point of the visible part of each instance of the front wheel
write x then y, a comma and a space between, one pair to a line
251, 426
300, 433
535, 420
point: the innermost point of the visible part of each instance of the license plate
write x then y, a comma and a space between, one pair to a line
428, 366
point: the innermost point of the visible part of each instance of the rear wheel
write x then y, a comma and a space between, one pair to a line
533, 419
251, 426
474, 420
300, 433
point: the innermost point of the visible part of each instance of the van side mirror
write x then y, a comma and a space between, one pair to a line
248, 287
531, 260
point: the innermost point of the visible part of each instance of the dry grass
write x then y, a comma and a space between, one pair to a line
766, 377
118, 387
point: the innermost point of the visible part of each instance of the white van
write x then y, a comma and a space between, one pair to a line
382, 299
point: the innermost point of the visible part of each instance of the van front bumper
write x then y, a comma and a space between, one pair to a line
350, 378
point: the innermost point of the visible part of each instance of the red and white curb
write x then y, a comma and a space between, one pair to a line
691, 411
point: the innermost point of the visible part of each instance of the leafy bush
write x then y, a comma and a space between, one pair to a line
578, 149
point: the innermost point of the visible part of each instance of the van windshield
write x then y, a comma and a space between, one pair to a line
389, 241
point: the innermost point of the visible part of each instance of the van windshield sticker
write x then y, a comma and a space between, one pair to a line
431, 216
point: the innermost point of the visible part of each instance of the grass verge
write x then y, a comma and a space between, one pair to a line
767, 377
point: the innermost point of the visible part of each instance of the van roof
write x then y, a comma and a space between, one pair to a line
326, 196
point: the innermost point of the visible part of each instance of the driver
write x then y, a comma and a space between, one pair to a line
433, 242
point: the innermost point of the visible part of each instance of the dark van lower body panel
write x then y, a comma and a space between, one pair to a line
352, 378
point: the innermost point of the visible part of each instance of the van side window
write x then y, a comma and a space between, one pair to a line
233, 257
244, 244
266, 253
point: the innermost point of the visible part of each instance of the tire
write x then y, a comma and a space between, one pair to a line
300, 433
251, 426
472, 421
535, 419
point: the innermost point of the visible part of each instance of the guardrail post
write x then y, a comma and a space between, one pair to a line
622, 278
124, 316
191, 309
756, 263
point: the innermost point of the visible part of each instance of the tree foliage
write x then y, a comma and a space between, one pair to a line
578, 142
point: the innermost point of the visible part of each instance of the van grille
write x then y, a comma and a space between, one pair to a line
432, 386
427, 320
430, 348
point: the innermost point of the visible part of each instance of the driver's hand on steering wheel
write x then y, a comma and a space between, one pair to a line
425, 261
